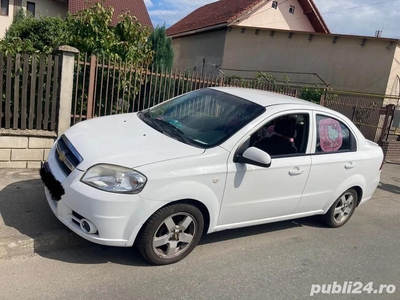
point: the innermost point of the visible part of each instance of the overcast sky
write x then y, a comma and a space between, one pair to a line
341, 16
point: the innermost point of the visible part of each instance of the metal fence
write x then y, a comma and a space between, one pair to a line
29, 91
366, 111
30, 85
111, 87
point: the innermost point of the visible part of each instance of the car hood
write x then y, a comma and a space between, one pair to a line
124, 140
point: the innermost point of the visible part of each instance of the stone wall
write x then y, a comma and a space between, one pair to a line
18, 151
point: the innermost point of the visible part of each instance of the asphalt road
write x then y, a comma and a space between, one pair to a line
276, 261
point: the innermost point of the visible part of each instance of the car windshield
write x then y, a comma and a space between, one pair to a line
204, 118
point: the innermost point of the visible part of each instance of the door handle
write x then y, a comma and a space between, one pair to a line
349, 165
296, 171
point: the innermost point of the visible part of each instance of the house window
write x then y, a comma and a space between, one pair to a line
4, 7
291, 9
30, 6
275, 4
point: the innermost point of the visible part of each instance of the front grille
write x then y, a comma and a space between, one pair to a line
67, 156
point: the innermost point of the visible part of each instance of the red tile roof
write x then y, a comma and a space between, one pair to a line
137, 8
313, 14
224, 12
220, 12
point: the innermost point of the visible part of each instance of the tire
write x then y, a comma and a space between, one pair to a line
170, 234
341, 210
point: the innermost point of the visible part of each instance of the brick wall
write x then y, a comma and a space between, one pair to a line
391, 148
24, 152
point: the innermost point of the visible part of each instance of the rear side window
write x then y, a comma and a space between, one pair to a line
333, 136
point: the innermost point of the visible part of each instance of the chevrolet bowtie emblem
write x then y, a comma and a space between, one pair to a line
61, 156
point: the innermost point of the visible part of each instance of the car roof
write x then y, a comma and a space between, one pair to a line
265, 98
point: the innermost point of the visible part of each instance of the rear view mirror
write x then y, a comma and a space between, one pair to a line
254, 156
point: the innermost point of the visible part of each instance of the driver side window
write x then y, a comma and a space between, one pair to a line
284, 136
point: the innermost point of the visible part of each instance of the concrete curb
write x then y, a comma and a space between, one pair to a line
23, 245
392, 161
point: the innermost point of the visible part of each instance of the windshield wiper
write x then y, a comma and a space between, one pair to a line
155, 124
160, 125
175, 131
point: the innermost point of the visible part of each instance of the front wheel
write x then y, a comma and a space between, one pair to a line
171, 233
342, 210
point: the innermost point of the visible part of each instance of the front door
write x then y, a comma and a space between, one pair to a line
252, 193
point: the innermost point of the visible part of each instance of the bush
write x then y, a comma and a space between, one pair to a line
312, 94
42, 35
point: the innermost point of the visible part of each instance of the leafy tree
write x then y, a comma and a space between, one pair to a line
89, 30
162, 48
132, 37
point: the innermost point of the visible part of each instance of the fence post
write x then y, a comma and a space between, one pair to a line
66, 86
322, 100
386, 124
353, 115
221, 81
92, 76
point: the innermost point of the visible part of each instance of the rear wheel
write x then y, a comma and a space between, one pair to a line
342, 210
171, 233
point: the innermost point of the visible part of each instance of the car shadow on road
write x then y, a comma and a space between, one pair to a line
96, 254
23, 206
390, 188
260, 229
25, 212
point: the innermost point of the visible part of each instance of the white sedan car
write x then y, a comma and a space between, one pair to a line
206, 161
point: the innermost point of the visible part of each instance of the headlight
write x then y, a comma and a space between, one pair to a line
114, 179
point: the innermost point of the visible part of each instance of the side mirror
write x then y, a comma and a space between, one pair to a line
254, 156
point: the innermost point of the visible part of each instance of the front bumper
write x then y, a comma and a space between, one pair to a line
117, 217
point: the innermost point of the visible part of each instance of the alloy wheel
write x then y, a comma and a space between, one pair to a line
175, 234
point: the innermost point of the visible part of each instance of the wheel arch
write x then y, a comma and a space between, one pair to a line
356, 182
209, 219
200, 205
359, 191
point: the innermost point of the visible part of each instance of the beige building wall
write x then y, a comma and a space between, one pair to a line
345, 64
6, 21
393, 87
49, 7
280, 18
190, 51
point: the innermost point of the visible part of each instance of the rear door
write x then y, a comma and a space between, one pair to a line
334, 159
